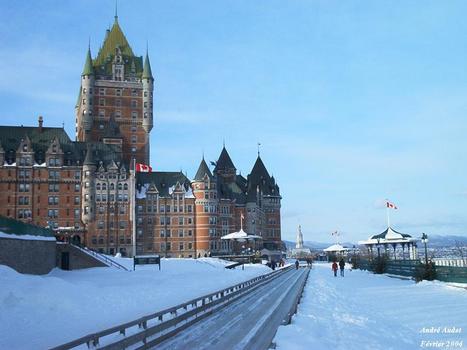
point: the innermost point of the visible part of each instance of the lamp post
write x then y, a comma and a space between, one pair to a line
425, 240
379, 248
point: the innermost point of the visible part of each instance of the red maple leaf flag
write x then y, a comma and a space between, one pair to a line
143, 168
390, 205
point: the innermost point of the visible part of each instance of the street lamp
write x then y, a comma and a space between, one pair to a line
425, 240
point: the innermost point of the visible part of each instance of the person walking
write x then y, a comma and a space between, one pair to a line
296, 264
342, 266
334, 268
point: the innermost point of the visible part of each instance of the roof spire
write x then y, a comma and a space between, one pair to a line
88, 68
147, 73
116, 11
223, 142
259, 144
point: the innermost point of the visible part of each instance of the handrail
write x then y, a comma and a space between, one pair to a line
102, 258
172, 316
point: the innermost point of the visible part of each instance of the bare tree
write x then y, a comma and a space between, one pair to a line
461, 250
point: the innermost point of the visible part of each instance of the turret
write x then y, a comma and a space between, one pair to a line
148, 87
87, 85
88, 192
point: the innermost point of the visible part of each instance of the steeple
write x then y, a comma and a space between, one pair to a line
88, 68
224, 163
147, 73
203, 170
116, 12
299, 244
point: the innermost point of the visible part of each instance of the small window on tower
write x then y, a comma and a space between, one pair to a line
134, 114
134, 104
118, 114
101, 91
118, 92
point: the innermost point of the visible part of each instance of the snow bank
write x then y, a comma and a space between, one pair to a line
26, 237
367, 311
39, 312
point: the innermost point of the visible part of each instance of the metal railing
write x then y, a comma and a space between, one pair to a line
450, 262
152, 329
102, 258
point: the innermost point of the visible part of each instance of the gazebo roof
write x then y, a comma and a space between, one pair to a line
389, 233
335, 248
388, 236
240, 235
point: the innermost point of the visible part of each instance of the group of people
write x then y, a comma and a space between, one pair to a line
341, 267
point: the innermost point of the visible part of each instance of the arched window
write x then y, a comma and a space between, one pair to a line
98, 186
104, 186
112, 186
125, 186
120, 186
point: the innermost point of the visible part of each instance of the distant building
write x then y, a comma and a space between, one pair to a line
299, 250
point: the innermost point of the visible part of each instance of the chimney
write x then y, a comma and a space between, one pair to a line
41, 121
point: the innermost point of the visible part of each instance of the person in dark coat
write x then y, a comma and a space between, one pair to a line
334, 268
296, 264
342, 266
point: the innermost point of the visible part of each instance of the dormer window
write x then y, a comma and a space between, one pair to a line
25, 148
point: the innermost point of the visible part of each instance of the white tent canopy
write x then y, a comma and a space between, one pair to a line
336, 248
240, 236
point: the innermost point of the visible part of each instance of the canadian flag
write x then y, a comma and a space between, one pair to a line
335, 233
390, 205
143, 168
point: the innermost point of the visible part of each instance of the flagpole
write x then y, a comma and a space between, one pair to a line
133, 205
387, 212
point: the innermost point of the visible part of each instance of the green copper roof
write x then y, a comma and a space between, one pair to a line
147, 74
88, 68
116, 39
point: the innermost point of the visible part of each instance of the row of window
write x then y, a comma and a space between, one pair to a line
167, 221
101, 240
120, 197
166, 208
117, 92
112, 186
52, 200
166, 233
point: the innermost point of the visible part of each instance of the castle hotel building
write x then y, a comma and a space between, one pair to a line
87, 190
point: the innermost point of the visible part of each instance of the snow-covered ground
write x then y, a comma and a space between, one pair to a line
367, 311
38, 312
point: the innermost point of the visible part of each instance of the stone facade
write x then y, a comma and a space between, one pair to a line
28, 256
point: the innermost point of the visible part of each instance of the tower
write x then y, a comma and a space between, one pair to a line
206, 209
299, 244
88, 181
116, 84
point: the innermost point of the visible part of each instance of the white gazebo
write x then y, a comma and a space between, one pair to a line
241, 236
392, 238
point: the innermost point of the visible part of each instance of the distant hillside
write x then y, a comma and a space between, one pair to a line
446, 241
315, 245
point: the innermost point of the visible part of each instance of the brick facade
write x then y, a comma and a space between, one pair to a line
84, 189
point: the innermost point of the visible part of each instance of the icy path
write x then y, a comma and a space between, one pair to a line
366, 311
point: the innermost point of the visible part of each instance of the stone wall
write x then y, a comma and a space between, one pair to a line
28, 256
77, 258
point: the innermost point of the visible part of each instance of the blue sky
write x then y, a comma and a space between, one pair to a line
352, 101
